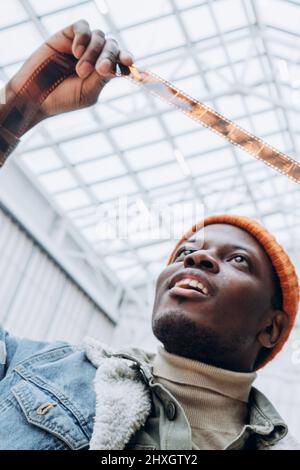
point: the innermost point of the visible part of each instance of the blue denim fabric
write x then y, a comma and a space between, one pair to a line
47, 398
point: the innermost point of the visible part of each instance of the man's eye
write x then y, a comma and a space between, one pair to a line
183, 251
240, 259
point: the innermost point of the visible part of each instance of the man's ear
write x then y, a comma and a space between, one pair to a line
274, 328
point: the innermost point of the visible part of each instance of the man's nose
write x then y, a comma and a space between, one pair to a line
203, 260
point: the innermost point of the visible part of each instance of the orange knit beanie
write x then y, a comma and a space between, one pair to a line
278, 256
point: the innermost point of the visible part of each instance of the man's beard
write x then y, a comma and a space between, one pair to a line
180, 335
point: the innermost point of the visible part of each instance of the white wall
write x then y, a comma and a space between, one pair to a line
37, 299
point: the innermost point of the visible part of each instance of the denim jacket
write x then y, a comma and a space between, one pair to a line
59, 396
47, 400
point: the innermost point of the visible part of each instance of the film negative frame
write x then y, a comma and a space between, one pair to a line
217, 123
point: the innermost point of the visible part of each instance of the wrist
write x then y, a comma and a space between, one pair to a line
36, 119
8, 139
23, 109
7, 98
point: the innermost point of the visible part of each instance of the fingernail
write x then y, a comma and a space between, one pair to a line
79, 51
131, 57
105, 66
85, 69
127, 56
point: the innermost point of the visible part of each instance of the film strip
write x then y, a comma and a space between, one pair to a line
214, 121
59, 66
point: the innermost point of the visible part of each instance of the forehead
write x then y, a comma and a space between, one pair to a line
220, 234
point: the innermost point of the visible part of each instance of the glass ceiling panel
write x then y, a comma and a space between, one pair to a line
10, 70
119, 11
230, 105
42, 160
198, 23
193, 86
198, 141
121, 110
73, 199
85, 148
151, 38
117, 245
150, 155
138, 133
58, 181
174, 69
11, 12
282, 14
229, 14
32, 139
188, 3
115, 188
131, 274
238, 49
178, 123
219, 159
47, 6
101, 169
70, 124
118, 262
87, 10
155, 251
160, 176
18, 50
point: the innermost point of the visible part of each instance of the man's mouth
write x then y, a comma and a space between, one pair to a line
191, 279
189, 283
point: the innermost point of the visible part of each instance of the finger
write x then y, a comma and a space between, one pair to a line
86, 64
73, 37
126, 58
108, 58
81, 34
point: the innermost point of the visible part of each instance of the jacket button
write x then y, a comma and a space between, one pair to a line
171, 410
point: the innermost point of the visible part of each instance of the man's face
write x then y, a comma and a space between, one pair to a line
218, 320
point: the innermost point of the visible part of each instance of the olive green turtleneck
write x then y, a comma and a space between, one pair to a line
214, 400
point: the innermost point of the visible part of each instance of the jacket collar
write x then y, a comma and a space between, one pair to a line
264, 419
123, 401
119, 376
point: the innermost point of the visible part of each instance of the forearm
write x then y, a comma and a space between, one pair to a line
16, 118
8, 140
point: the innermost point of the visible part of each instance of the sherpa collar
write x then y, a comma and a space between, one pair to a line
117, 418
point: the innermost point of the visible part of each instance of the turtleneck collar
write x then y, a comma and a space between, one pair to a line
181, 370
214, 400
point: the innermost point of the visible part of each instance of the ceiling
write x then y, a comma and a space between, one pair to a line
240, 57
